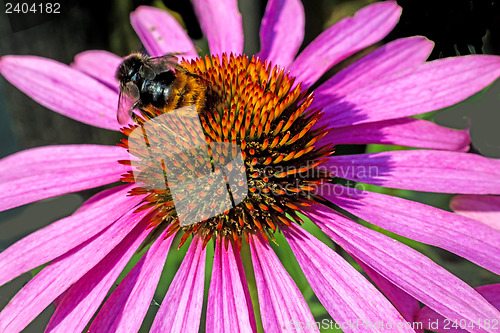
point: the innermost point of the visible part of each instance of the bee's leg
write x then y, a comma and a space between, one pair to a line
135, 118
131, 112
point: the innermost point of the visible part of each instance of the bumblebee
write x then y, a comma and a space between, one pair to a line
159, 83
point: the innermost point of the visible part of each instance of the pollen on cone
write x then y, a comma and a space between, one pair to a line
246, 107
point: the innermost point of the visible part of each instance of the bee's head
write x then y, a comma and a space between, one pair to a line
130, 69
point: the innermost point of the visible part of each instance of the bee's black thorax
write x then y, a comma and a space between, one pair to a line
156, 91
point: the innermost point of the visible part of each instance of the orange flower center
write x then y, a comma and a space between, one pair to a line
232, 153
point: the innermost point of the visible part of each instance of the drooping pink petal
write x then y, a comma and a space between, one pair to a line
282, 306
368, 26
467, 238
437, 323
180, 310
408, 132
57, 277
406, 305
126, 308
394, 57
281, 31
63, 89
84, 297
99, 64
45, 172
406, 268
421, 170
61, 236
484, 208
229, 306
52, 158
428, 87
160, 32
221, 23
339, 287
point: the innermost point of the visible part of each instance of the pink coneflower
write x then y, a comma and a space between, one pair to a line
483, 208
431, 320
288, 147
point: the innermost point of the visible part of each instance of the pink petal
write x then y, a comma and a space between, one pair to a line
432, 320
406, 268
408, 132
406, 305
345, 293
84, 297
61, 236
126, 308
93, 200
57, 277
394, 57
428, 87
45, 172
282, 31
220, 20
63, 89
421, 170
180, 310
229, 306
99, 64
161, 33
481, 208
282, 306
491, 293
52, 158
467, 238
368, 26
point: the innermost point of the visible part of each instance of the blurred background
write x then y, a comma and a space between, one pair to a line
458, 27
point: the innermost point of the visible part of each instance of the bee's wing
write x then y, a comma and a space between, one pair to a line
164, 62
125, 107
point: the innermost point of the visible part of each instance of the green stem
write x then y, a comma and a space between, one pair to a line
252, 286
